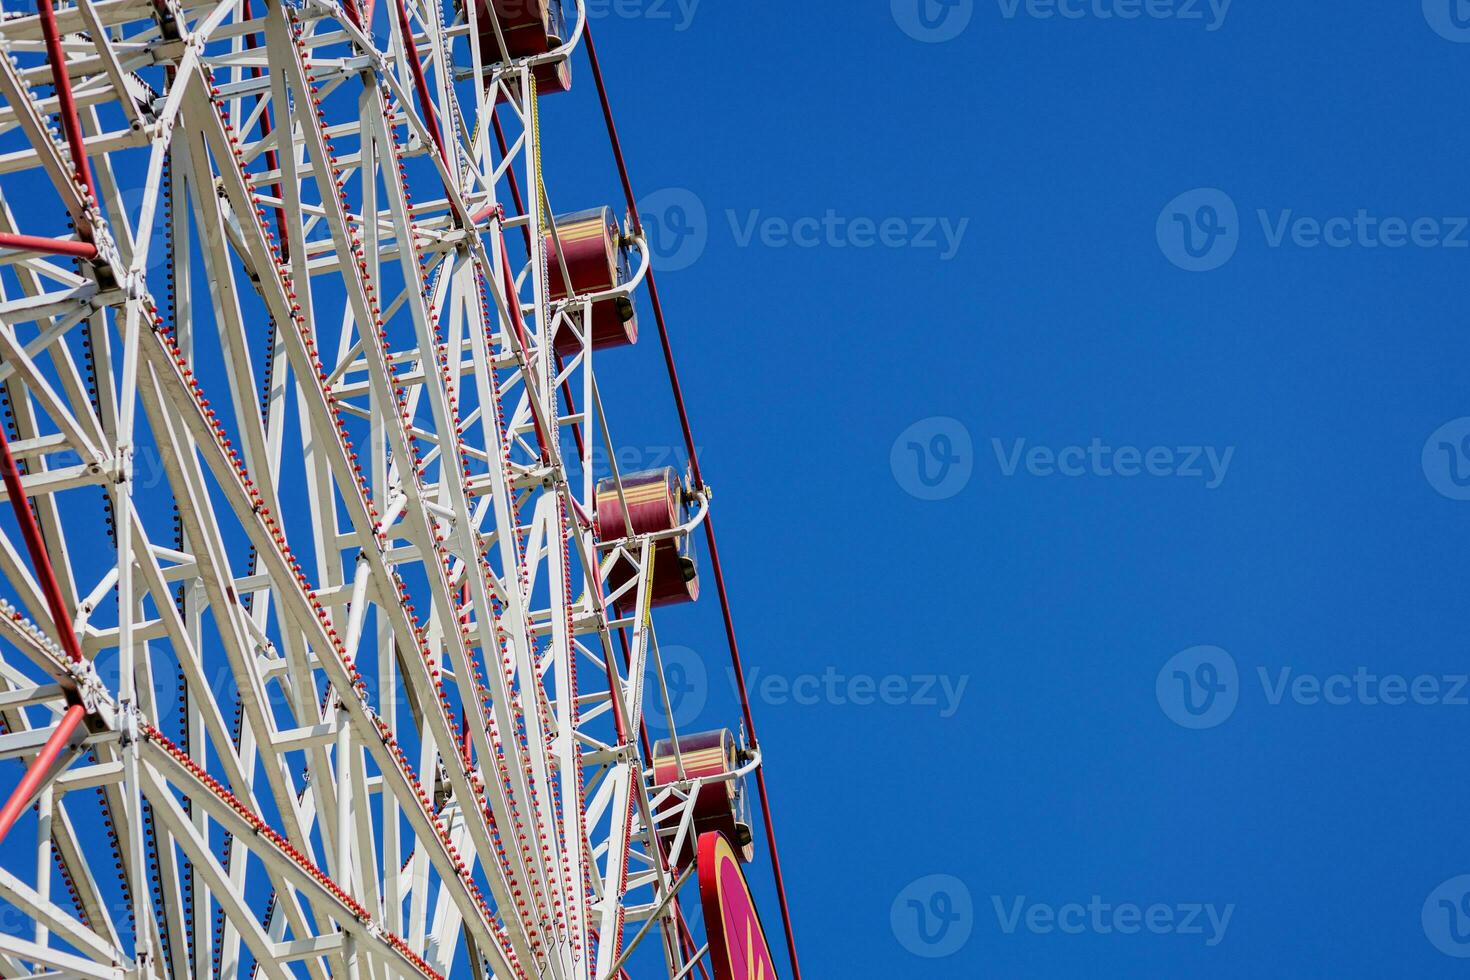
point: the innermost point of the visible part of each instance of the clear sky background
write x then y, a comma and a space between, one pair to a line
1318, 542
1087, 407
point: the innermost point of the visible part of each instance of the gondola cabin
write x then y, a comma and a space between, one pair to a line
530, 27
719, 803
591, 243
656, 502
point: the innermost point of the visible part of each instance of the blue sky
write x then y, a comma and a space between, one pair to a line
1314, 359
1082, 385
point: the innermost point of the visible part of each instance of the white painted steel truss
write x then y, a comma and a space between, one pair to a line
298, 446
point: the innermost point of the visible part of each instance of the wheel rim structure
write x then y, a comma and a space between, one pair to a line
312, 659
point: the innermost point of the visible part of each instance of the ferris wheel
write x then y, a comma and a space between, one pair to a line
326, 649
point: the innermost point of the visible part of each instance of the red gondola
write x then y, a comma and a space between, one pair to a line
719, 806
596, 260
530, 27
656, 501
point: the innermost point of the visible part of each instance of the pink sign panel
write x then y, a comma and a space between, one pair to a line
737, 943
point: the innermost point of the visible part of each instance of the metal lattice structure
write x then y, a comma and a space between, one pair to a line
324, 651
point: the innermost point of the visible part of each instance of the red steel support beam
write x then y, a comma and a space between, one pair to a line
70, 124
420, 83
50, 246
271, 160
29, 530
709, 527
36, 774
515, 194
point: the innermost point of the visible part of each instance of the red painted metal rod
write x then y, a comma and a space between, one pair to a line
420, 83
29, 530
51, 246
36, 774
709, 527
513, 304
686, 938
515, 195
272, 162
70, 124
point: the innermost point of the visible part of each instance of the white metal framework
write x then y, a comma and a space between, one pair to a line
307, 600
